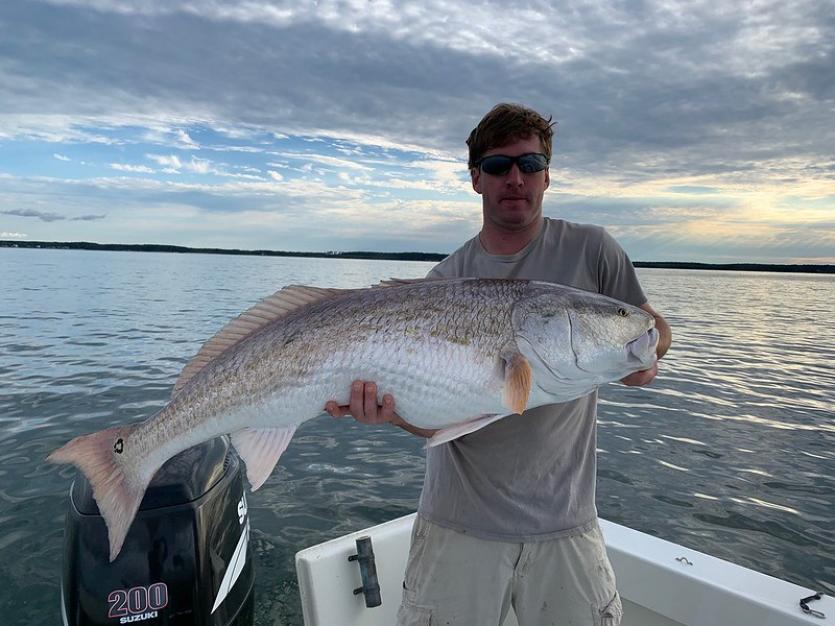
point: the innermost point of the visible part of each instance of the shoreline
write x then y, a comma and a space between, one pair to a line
394, 256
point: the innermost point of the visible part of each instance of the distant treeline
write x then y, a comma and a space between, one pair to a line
391, 256
156, 247
740, 267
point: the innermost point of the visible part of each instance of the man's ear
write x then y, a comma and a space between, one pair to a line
475, 177
547, 177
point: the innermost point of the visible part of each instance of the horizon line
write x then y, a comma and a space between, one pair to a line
375, 255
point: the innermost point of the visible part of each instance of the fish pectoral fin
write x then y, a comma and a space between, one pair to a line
260, 448
464, 428
518, 381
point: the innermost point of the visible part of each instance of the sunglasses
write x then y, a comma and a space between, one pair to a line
500, 164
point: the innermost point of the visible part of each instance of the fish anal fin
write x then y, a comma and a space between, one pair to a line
518, 381
260, 448
464, 428
268, 310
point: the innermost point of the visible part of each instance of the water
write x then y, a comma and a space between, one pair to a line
729, 452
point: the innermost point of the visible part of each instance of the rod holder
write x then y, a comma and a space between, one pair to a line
368, 572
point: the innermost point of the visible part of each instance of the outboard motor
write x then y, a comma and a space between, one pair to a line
186, 559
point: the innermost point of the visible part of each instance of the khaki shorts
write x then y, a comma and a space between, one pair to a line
456, 579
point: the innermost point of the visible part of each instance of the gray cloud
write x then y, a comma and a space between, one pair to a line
88, 218
44, 216
647, 92
49, 216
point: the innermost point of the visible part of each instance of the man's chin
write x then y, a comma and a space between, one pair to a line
522, 214
518, 221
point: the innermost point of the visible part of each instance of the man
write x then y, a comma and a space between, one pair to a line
507, 515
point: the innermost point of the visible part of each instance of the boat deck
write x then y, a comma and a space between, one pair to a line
661, 583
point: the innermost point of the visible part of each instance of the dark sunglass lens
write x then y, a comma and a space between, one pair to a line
496, 165
530, 163
500, 164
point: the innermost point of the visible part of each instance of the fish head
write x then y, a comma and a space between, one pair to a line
612, 338
581, 339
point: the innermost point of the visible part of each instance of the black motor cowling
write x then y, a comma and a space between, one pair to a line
186, 559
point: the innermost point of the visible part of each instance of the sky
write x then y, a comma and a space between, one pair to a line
693, 131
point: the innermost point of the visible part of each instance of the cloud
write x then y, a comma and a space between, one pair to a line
322, 159
198, 166
633, 77
185, 140
7, 235
125, 167
172, 162
48, 216
88, 218
61, 157
44, 216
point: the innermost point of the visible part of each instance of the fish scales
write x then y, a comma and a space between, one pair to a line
363, 328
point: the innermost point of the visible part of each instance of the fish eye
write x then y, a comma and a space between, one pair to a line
623, 312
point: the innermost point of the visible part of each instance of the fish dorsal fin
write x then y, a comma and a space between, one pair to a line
266, 311
396, 282
518, 380
260, 448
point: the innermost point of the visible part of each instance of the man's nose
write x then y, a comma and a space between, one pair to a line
514, 175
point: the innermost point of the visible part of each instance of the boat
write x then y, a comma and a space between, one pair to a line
356, 580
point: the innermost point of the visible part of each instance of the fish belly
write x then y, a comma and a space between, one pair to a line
432, 387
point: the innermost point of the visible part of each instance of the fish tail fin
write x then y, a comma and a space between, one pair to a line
117, 484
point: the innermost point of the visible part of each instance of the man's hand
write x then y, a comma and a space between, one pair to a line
641, 378
363, 406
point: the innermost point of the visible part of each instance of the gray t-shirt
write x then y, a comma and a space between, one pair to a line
529, 477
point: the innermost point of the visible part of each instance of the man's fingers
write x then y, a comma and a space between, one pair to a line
387, 411
355, 404
370, 402
363, 405
334, 410
643, 377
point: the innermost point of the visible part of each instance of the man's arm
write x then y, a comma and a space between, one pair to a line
364, 408
665, 338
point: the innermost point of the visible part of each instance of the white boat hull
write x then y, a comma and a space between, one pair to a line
661, 584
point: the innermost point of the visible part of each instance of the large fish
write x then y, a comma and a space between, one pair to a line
455, 354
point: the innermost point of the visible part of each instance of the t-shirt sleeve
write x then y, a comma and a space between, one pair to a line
615, 273
444, 269
436, 272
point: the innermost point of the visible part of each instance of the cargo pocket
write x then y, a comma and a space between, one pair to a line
610, 615
417, 550
411, 614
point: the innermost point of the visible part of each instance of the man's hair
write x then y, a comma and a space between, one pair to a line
505, 123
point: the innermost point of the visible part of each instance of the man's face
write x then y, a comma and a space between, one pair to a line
512, 201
